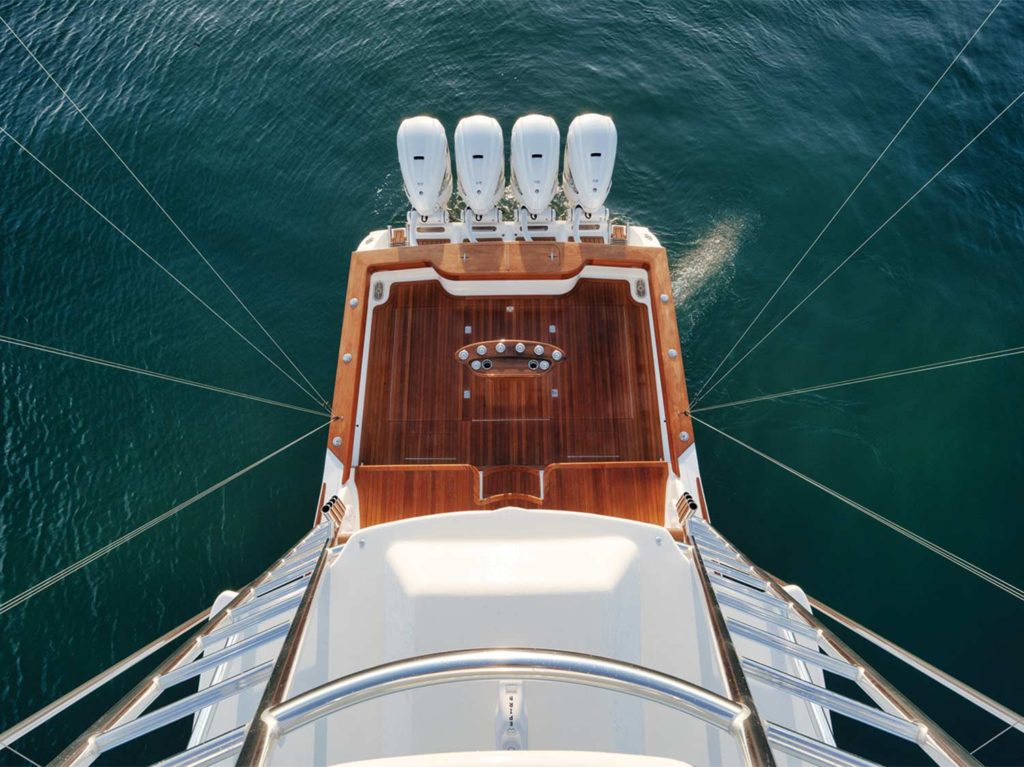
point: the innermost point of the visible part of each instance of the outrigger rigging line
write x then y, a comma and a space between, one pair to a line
164, 269
995, 580
151, 373
860, 247
828, 224
969, 360
162, 209
75, 567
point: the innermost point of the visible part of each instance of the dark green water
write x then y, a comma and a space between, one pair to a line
267, 129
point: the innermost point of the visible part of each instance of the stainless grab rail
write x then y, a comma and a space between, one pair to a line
495, 665
755, 741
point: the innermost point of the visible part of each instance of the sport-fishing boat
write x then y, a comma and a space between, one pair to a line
512, 560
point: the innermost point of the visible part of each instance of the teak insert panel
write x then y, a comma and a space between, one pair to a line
416, 411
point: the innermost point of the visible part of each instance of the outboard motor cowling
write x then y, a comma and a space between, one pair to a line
589, 162
534, 160
480, 161
426, 165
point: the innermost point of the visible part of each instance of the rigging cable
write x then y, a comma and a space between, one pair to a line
860, 247
996, 736
985, 357
163, 210
996, 581
28, 759
73, 568
152, 373
163, 268
848, 197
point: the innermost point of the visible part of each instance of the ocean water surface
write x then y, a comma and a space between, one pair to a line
267, 130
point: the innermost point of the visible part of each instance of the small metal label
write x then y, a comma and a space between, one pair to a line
511, 725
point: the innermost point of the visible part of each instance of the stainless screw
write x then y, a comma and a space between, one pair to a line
336, 441
346, 358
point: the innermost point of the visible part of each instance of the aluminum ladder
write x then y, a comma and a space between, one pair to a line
748, 593
273, 598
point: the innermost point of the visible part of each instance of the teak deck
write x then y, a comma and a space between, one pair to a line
436, 436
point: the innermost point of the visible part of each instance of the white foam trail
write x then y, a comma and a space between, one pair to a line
709, 257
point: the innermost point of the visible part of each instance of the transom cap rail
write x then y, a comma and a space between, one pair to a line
497, 664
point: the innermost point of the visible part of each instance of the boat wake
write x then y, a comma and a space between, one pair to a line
708, 263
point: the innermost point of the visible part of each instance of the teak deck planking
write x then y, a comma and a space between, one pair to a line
417, 414
632, 490
599, 403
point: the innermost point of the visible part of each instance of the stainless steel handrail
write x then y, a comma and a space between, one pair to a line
755, 740
494, 665
284, 669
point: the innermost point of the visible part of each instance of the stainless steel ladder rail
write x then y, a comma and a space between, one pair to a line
132, 718
755, 740
745, 588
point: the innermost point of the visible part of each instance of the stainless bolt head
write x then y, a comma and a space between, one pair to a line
336, 441
684, 436
500, 348
556, 355
464, 355
672, 354
354, 303
664, 298
520, 347
538, 350
346, 358
481, 349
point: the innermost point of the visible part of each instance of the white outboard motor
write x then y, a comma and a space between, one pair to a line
480, 160
589, 163
426, 166
534, 160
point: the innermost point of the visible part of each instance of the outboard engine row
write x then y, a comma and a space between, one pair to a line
480, 159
